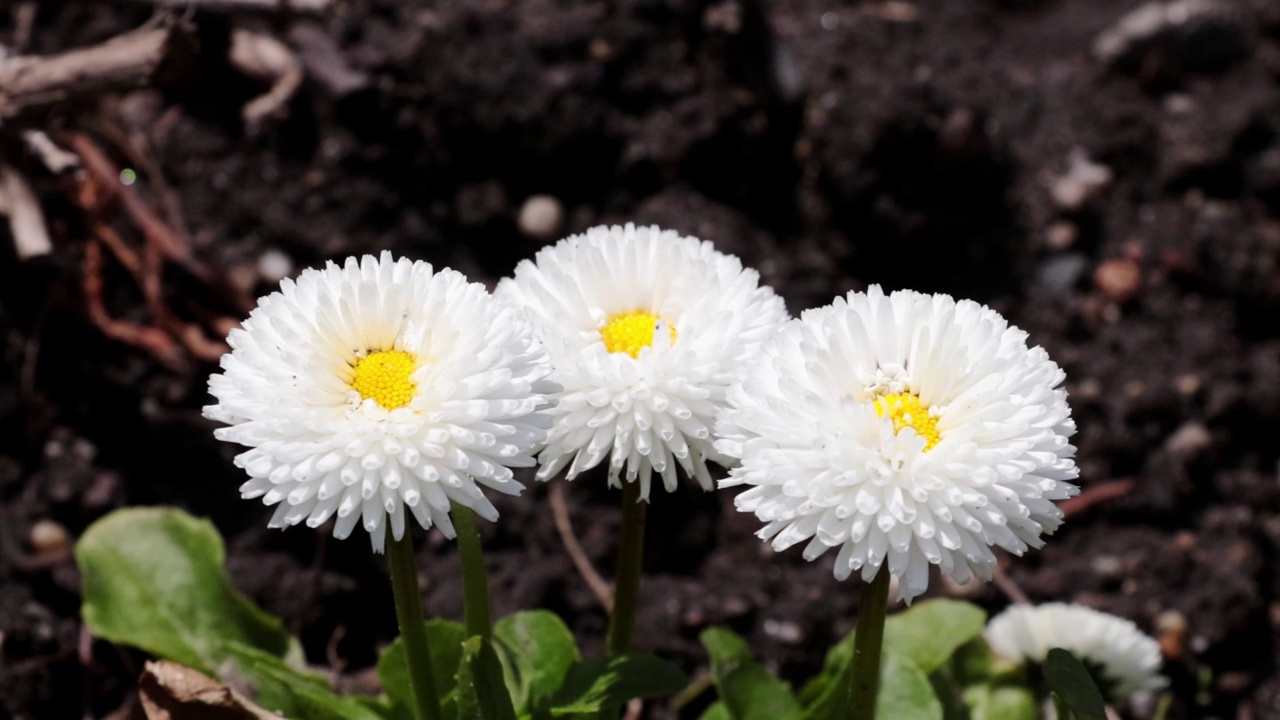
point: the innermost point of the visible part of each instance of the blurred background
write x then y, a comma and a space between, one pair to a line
1106, 173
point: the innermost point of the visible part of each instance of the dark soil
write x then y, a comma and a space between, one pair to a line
927, 144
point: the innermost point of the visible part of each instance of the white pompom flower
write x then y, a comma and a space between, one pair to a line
378, 389
1127, 659
906, 429
646, 330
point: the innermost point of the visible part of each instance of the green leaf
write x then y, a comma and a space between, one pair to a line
294, 694
444, 643
905, 692
930, 632
592, 686
1001, 701
826, 694
1071, 682
747, 690
153, 578
537, 650
482, 693
718, 711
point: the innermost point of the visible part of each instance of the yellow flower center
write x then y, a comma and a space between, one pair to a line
906, 410
384, 377
630, 331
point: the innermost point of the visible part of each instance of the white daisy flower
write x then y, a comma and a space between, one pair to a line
909, 429
647, 331
1125, 660
381, 385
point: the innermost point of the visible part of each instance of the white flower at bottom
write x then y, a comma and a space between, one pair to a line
1128, 660
905, 430
647, 330
377, 386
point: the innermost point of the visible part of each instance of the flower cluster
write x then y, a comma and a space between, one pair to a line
904, 430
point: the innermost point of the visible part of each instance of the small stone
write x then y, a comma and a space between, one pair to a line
1179, 104
735, 607
599, 49
783, 631
1118, 279
1061, 235
957, 130
1234, 682
1082, 182
541, 217
274, 265
1108, 566
1171, 633
1189, 441
1060, 273
694, 618
1187, 384
724, 17
1088, 389
49, 540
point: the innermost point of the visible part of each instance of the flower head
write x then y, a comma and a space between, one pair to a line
1124, 659
377, 386
905, 429
647, 331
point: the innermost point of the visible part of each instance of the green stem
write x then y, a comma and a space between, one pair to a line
1061, 710
864, 681
413, 626
622, 621
475, 580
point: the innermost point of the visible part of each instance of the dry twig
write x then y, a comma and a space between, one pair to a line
313, 6
560, 511
324, 60
265, 57
1007, 586
26, 220
55, 159
130, 60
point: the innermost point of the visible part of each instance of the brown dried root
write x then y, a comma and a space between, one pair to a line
98, 192
1094, 495
153, 340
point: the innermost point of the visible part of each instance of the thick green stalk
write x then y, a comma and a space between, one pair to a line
413, 627
864, 681
475, 580
1061, 710
627, 585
